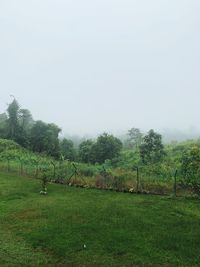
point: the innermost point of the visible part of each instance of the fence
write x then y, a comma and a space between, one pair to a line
137, 180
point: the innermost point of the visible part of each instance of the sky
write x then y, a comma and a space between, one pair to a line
93, 66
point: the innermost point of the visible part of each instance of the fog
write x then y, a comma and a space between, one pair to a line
94, 66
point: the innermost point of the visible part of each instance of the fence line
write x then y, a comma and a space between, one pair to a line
137, 181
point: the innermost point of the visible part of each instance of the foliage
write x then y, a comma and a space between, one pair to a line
44, 138
18, 125
87, 170
85, 151
67, 149
117, 173
3, 125
44, 180
13, 120
25, 120
190, 169
106, 147
8, 145
134, 138
152, 149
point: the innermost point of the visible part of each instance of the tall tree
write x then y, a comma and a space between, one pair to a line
134, 138
3, 125
152, 149
106, 147
44, 138
13, 120
85, 151
25, 119
67, 149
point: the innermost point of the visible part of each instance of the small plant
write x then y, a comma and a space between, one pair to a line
44, 181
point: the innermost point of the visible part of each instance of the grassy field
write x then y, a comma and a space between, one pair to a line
117, 229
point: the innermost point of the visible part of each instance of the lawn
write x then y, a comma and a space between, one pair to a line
86, 227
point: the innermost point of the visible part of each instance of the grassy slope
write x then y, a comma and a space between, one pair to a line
118, 229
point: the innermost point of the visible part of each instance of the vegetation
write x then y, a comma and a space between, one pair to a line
127, 172
106, 147
134, 138
93, 227
18, 125
67, 149
152, 149
85, 151
75, 227
190, 169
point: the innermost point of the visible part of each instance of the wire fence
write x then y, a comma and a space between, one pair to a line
137, 180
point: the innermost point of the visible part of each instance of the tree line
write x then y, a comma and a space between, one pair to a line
17, 124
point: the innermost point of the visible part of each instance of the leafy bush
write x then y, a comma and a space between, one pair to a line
8, 145
88, 171
45, 179
190, 169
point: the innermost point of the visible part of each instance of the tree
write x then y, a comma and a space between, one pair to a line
106, 147
67, 149
85, 151
135, 138
152, 149
13, 120
3, 125
52, 140
44, 138
25, 123
25, 119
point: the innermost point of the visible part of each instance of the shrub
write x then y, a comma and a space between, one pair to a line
119, 182
44, 181
190, 169
87, 171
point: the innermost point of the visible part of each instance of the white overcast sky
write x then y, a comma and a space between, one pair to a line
92, 66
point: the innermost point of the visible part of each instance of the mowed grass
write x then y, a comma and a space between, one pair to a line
117, 229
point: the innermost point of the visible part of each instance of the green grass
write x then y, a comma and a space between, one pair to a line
118, 229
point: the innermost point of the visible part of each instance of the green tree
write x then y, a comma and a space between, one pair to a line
85, 151
25, 119
13, 120
52, 140
44, 138
134, 138
3, 125
67, 149
25, 124
106, 147
152, 149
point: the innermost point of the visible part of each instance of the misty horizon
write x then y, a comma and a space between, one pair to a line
103, 67
169, 134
